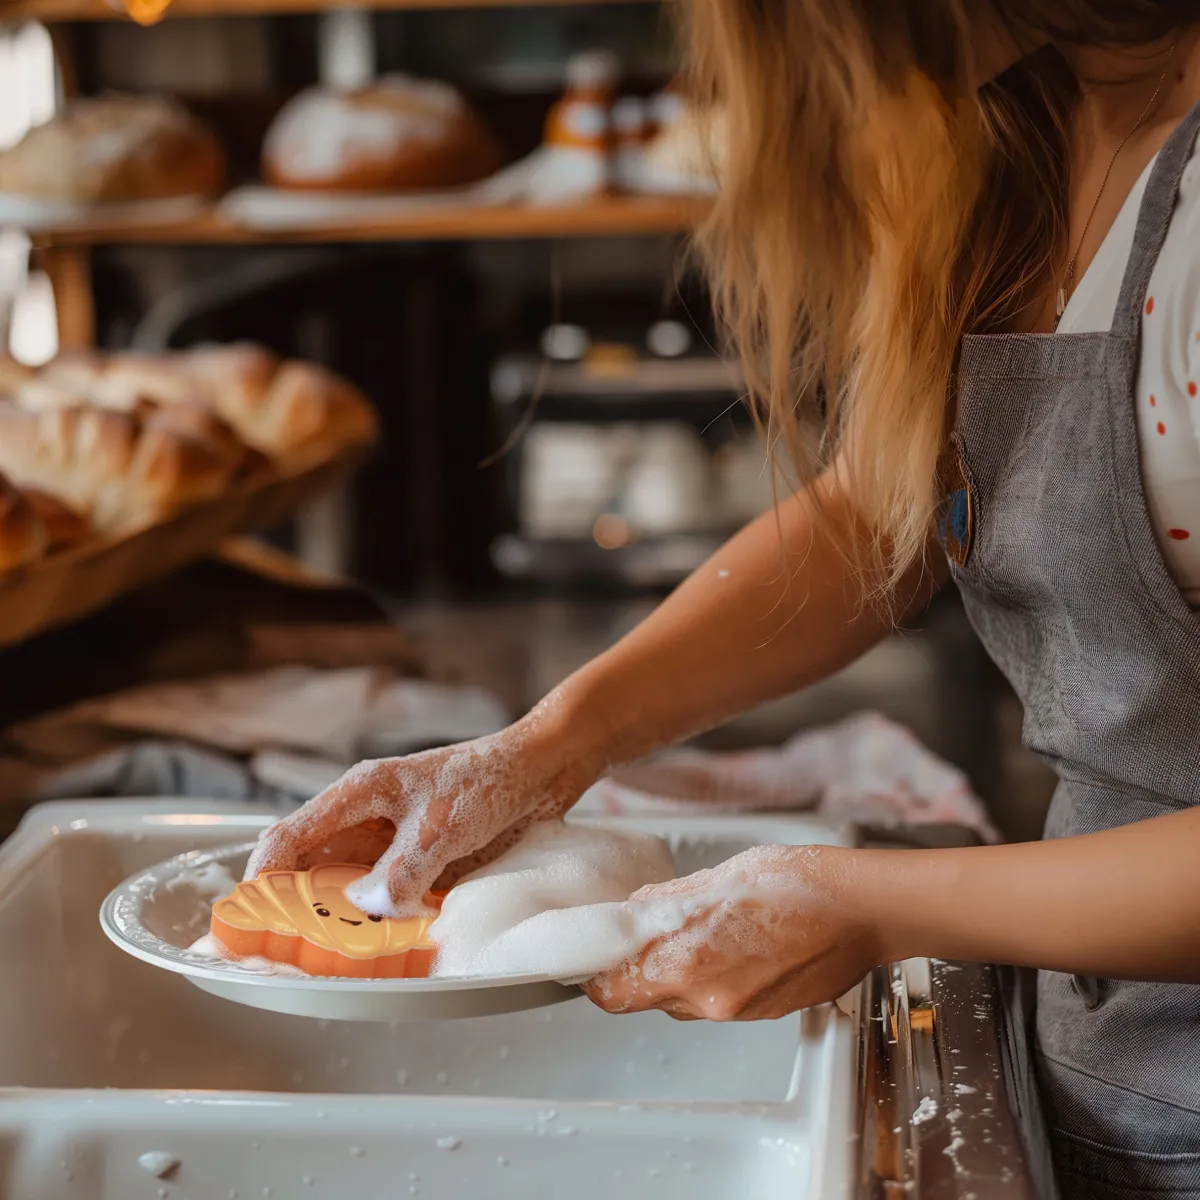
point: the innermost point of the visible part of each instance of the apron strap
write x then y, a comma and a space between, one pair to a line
1154, 218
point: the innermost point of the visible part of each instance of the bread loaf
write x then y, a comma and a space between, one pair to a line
22, 534
115, 468
202, 425
12, 375
115, 442
284, 410
307, 407
398, 134
63, 525
129, 378
115, 148
277, 410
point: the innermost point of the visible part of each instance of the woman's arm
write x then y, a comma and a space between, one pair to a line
780, 928
775, 609
778, 607
1123, 904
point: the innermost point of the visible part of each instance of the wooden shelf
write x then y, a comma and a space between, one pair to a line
102, 10
616, 217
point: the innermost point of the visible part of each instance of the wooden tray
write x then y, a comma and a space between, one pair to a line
64, 587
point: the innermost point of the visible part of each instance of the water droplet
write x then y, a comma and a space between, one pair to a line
504, 1052
357, 1151
308, 1180
448, 1143
402, 1077
442, 1078
501, 1161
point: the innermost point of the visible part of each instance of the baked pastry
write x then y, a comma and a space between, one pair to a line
281, 410
115, 468
115, 148
64, 527
12, 375
303, 919
127, 439
22, 534
124, 380
285, 410
201, 424
397, 134
305, 407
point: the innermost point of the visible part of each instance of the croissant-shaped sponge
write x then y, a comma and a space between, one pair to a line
304, 919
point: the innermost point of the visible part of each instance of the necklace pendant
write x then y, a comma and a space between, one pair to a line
1060, 302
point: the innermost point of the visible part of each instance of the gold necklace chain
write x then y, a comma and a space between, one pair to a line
1069, 274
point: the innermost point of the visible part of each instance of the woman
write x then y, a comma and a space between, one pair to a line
915, 191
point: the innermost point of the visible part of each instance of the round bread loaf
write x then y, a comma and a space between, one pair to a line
398, 134
115, 148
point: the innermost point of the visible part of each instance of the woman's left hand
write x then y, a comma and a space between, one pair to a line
774, 930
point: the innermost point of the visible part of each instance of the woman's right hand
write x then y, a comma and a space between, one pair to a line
428, 819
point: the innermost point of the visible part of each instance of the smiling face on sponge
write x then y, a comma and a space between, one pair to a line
304, 919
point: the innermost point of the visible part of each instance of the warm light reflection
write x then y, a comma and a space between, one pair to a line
147, 12
611, 532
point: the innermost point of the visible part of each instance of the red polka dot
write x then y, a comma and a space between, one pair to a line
1161, 428
1191, 387
1153, 402
1149, 305
1180, 535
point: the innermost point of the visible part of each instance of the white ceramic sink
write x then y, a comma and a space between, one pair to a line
106, 1058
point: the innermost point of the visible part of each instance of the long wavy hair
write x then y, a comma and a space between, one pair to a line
875, 206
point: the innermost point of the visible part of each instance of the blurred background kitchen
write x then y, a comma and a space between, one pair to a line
473, 218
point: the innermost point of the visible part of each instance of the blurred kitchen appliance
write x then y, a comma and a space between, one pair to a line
631, 455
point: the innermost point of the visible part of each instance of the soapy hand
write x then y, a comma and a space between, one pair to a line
760, 936
427, 819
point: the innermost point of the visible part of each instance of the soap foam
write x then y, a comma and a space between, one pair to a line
210, 949
212, 881
556, 904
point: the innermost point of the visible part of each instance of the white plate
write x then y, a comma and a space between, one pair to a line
158, 913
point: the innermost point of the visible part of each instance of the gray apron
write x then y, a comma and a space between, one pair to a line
1053, 550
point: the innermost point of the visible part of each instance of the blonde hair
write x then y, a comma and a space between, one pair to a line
875, 207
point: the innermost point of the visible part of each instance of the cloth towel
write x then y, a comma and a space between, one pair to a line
288, 732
